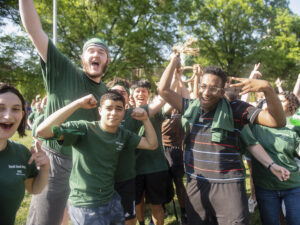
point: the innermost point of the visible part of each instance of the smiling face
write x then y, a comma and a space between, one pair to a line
111, 113
94, 62
210, 92
140, 96
11, 114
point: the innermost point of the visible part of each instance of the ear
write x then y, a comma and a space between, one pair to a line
99, 110
108, 61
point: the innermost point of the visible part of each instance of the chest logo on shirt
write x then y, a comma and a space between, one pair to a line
19, 171
119, 145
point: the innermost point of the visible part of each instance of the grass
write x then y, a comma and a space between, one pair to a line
169, 220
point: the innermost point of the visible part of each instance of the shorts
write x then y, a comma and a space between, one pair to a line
110, 213
47, 208
174, 155
126, 190
155, 186
216, 203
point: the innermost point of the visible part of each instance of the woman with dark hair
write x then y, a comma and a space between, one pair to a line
17, 170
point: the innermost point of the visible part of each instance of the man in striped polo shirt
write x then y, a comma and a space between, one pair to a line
215, 179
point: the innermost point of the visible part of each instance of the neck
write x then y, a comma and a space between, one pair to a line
96, 79
108, 129
3, 144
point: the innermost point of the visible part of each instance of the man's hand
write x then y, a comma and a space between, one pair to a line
87, 102
280, 172
139, 114
197, 70
39, 156
175, 60
250, 85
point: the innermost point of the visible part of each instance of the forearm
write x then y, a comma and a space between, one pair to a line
274, 107
56, 118
296, 90
40, 180
260, 154
33, 26
166, 78
150, 134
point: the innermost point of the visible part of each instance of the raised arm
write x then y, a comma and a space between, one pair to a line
255, 74
275, 116
57, 118
33, 27
296, 90
260, 154
150, 141
164, 89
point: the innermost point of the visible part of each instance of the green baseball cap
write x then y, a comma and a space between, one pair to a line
96, 42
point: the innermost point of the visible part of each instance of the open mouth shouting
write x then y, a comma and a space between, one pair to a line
6, 126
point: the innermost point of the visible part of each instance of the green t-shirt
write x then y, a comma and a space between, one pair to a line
126, 166
152, 161
64, 83
282, 145
95, 158
14, 169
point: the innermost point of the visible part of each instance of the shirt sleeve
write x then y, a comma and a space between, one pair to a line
31, 169
72, 131
247, 137
132, 141
244, 111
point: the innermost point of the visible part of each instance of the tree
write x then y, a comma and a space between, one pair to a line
135, 30
235, 34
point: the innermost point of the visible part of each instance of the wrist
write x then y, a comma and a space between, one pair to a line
270, 165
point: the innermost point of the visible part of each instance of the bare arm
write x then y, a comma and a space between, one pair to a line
33, 27
164, 89
260, 154
35, 185
57, 118
275, 116
150, 141
296, 90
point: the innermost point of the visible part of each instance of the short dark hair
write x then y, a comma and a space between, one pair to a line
4, 88
142, 83
215, 70
112, 95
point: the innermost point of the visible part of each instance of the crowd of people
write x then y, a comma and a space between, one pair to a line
101, 152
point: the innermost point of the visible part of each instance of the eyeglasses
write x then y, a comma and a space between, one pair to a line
213, 90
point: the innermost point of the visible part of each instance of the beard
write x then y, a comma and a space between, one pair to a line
93, 76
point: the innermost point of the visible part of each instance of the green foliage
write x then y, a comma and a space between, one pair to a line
236, 34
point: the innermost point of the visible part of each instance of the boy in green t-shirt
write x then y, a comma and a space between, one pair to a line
96, 148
